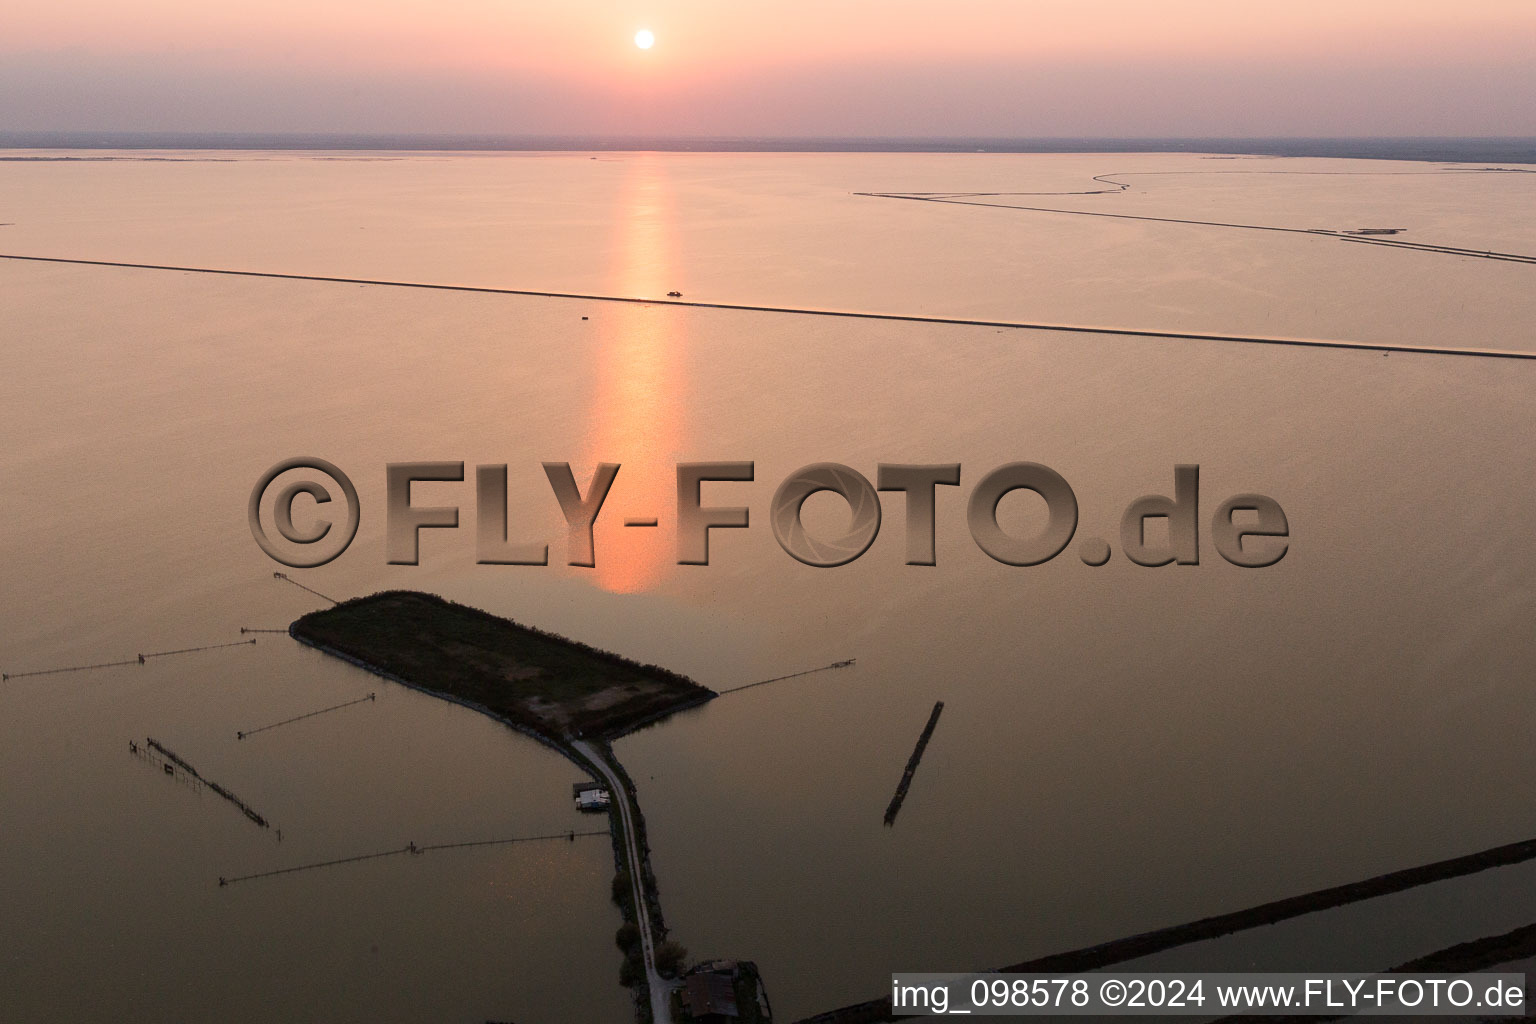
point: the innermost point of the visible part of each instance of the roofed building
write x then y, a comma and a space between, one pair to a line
591, 796
710, 998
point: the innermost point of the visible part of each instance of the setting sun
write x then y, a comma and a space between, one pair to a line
645, 39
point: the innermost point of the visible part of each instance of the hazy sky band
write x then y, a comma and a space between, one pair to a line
1114, 68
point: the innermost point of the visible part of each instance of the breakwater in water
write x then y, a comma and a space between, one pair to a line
1132, 947
912, 762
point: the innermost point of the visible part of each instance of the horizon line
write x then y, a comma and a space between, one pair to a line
1516, 148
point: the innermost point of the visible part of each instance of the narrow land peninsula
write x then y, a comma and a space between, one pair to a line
574, 698
556, 688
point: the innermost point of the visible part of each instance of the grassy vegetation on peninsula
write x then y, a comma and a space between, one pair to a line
556, 687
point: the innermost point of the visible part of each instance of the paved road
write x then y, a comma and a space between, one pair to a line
661, 1012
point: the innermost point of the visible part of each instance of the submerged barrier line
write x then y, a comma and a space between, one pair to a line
973, 199
410, 848
792, 675
513, 839
289, 579
71, 668
300, 718
136, 660
193, 650
309, 867
1021, 325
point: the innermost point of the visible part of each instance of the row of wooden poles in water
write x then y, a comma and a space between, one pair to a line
143, 659
138, 659
411, 848
1084, 959
172, 763
175, 764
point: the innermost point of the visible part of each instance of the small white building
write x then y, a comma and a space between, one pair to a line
591, 796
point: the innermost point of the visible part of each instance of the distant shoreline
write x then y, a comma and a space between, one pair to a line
1459, 150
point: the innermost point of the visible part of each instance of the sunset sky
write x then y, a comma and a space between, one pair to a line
794, 68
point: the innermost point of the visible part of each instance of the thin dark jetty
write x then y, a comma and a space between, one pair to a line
289, 579
1476, 955
917, 755
1133, 947
1462, 958
179, 762
1147, 943
139, 659
849, 314
300, 718
253, 629
792, 675
409, 848
973, 199
1487, 254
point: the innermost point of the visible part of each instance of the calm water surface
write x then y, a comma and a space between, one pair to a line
1121, 748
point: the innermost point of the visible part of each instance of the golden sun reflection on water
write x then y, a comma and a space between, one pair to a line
637, 411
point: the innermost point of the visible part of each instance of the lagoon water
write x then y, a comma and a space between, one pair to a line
1122, 747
